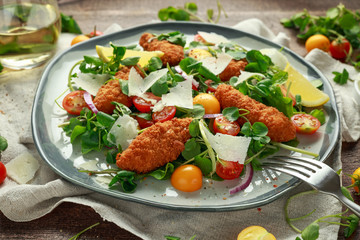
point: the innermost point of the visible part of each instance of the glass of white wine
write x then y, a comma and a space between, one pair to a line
29, 30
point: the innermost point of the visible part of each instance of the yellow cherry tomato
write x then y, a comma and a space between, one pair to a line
209, 102
355, 176
317, 41
187, 178
78, 39
255, 232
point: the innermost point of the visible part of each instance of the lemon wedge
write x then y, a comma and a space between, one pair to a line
299, 85
105, 54
255, 232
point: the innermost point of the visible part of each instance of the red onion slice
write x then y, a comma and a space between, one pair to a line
212, 115
245, 182
186, 77
89, 102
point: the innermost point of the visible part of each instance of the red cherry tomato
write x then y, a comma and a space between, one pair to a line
198, 38
187, 178
339, 48
142, 105
194, 88
143, 123
2, 172
74, 102
229, 170
305, 123
97, 33
166, 114
224, 126
210, 88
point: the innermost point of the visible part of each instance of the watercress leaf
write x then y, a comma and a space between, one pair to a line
297, 238
154, 64
111, 157
231, 113
77, 131
3, 144
332, 13
105, 119
172, 238
146, 116
118, 52
188, 64
319, 114
181, 15
208, 74
259, 129
163, 14
72, 124
311, 232
197, 112
347, 21
128, 185
341, 78
346, 193
204, 164
210, 13
192, 149
68, 24
89, 142
194, 129
1, 67
124, 86
130, 61
353, 224
160, 87
288, 23
236, 54
192, 7
93, 60
163, 173
246, 129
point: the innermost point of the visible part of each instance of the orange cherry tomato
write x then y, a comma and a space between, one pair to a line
317, 41
78, 39
356, 177
187, 178
209, 102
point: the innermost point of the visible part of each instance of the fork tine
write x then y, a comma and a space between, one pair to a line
291, 162
289, 171
302, 160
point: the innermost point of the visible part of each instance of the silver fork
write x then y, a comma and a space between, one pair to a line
319, 175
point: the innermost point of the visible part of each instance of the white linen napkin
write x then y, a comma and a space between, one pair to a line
47, 190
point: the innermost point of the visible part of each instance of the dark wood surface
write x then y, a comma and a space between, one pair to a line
68, 218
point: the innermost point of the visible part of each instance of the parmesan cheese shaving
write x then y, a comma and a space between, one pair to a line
229, 148
213, 38
91, 82
22, 168
244, 75
138, 85
217, 65
124, 130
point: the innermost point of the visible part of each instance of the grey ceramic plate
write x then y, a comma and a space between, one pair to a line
64, 159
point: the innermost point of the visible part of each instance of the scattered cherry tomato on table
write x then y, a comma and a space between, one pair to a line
229, 170
78, 39
74, 102
354, 178
166, 114
97, 33
317, 41
305, 123
255, 232
187, 178
339, 48
223, 125
209, 102
2, 172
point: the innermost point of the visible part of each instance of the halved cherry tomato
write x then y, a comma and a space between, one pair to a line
305, 123
74, 102
164, 115
229, 170
142, 105
224, 126
210, 88
2, 172
187, 178
339, 48
209, 102
198, 38
143, 123
194, 88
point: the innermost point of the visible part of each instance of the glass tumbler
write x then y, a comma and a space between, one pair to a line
29, 30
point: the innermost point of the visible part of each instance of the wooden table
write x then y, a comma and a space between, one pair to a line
68, 219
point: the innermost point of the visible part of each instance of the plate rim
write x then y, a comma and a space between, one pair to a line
128, 197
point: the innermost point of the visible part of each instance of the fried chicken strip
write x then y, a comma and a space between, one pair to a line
233, 69
281, 129
173, 53
111, 92
157, 145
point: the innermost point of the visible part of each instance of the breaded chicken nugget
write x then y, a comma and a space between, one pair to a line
233, 69
157, 145
281, 129
111, 92
173, 53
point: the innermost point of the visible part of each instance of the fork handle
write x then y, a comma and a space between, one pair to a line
347, 202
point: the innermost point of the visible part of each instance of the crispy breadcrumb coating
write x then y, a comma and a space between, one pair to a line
233, 69
173, 53
157, 145
111, 92
281, 129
